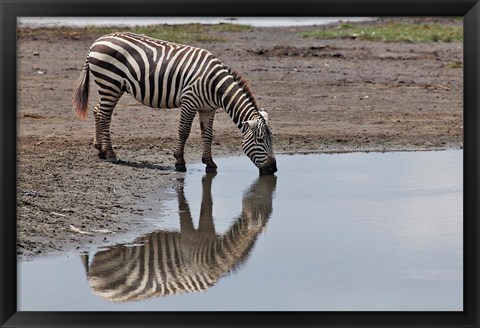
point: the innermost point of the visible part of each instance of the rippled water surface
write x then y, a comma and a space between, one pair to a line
342, 232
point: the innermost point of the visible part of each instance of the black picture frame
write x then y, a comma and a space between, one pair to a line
10, 10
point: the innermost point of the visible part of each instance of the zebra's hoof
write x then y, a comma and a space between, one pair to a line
211, 169
111, 159
180, 168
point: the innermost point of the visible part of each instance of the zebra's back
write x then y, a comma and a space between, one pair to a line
153, 71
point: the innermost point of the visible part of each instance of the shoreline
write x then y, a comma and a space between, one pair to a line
94, 239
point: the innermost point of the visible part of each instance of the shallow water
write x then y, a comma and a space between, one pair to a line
142, 21
341, 232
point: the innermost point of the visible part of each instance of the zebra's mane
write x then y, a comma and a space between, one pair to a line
243, 85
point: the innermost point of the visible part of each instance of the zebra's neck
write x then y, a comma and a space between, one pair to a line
237, 101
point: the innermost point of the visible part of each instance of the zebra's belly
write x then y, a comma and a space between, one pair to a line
152, 99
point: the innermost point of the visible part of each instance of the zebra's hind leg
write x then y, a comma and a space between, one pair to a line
206, 127
186, 118
97, 141
103, 115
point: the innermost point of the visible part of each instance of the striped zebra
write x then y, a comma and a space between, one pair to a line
162, 74
190, 260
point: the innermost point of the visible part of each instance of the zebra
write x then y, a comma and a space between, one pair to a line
162, 74
191, 260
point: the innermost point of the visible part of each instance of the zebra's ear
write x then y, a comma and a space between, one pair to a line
264, 114
252, 124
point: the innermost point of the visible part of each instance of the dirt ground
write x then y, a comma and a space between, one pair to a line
321, 96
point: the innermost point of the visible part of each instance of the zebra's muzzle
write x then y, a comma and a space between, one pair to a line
270, 166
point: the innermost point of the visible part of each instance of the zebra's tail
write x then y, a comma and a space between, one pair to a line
80, 96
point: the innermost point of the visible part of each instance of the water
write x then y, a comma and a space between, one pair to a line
141, 21
342, 232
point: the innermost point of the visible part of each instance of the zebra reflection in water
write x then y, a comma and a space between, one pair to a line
166, 263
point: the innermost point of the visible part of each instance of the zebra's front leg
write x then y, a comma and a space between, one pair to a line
206, 127
186, 118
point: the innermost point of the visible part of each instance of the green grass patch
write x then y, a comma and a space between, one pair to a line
175, 33
391, 32
453, 64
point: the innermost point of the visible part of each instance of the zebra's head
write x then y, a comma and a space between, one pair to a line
257, 144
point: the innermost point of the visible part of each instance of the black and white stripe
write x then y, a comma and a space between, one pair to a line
162, 74
190, 260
